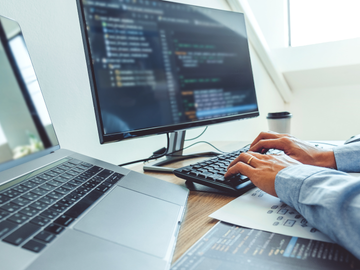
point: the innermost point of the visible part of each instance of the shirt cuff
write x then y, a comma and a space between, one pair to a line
288, 183
348, 157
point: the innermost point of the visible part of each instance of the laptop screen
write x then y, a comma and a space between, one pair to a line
26, 131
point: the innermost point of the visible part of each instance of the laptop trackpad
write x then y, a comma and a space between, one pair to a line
134, 220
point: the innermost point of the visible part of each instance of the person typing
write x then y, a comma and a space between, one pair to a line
312, 180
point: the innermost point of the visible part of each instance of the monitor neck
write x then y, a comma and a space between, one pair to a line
176, 146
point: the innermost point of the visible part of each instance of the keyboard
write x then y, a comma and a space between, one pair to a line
36, 208
211, 173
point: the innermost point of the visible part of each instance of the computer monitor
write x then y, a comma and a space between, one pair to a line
158, 67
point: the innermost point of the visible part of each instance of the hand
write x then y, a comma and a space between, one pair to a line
261, 169
294, 148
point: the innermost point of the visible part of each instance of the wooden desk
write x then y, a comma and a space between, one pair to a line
200, 204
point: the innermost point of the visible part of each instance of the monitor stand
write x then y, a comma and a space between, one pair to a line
176, 144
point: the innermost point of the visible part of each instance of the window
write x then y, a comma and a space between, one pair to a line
319, 21
2, 136
23, 61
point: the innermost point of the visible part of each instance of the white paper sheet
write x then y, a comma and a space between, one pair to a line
259, 210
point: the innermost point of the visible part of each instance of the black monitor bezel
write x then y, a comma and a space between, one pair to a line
115, 137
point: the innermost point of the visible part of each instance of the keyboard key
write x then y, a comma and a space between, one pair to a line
45, 236
45, 177
47, 200
37, 180
220, 179
30, 196
66, 202
53, 228
81, 179
82, 191
18, 218
21, 201
40, 221
10, 207
34, 246
103, 188
68, 186
49, 214
4, 198
54, 183
64, 220
72, 172
52, 173
105, 173
69, 164
3, 214
67, 176
61, 179
55, 195
21, 234
29, 184
74, 182
58, 207
115, 178
20, 189
28, 211
6, 227
10, 193
39, 191
47, 187
39, 205
83, 204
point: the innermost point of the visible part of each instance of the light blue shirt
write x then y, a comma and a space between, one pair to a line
328, 199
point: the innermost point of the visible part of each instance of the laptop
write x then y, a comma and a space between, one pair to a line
63, 210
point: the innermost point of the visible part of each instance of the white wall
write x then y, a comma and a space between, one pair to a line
51, 29
324, 78
273, 20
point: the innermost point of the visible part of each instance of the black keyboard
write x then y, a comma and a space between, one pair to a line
211, 173
36, 208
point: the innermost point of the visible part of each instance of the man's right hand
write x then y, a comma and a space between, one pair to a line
299, 150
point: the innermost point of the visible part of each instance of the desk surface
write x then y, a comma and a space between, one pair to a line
200, 204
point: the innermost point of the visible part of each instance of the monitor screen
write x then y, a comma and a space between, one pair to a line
158, 66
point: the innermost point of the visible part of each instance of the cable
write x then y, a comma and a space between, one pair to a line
151, 157
198, 135
171, 154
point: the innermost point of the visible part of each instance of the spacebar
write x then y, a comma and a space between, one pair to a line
84, 204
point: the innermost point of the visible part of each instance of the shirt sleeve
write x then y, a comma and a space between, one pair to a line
328, 199
348, 157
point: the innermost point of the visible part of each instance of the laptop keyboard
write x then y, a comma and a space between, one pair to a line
35, 210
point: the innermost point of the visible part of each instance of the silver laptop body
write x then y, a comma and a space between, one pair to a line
63, 210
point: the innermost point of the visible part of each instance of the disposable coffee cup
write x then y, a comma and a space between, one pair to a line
279, 121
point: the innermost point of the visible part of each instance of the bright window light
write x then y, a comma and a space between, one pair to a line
319, 21
2, 136
22, 58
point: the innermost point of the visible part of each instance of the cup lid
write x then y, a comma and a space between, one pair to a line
278, 115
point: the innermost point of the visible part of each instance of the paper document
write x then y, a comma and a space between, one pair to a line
259, 210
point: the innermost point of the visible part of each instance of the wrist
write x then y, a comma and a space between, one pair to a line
326, 159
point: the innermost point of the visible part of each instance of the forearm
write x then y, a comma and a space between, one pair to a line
348, 157
328, 199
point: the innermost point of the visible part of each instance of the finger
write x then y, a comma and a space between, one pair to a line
265, 145
243, 157
240, 167
265, 136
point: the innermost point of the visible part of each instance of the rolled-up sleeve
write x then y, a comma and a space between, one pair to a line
328, 199
348, 157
